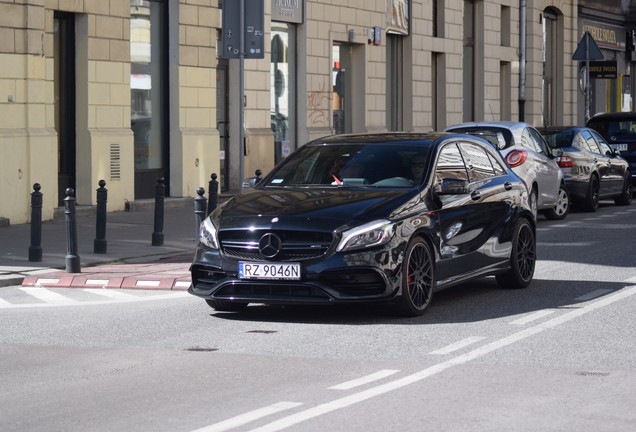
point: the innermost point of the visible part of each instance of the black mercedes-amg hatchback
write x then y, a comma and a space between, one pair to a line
369, 218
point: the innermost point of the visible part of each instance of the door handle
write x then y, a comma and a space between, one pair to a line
507, 185
475, 195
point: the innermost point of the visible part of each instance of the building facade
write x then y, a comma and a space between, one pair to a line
130, 91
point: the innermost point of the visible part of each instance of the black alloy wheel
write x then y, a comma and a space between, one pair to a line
522, 257
590, 203
418, 278
226, 306
625, 197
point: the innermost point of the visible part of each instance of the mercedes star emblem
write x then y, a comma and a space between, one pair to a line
270, 245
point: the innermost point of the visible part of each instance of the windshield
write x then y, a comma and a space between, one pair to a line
373, 165
615, 130
499, 137
558, 139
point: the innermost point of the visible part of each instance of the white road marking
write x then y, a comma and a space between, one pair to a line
131, 299
48, 296
109, 293
364, 380
182, 284
531, 317
593, 294
4, 303
458, 345
248, 417
347, 401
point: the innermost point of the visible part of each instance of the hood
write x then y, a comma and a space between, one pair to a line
320, 209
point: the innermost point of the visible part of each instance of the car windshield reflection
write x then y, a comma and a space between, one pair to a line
352, 165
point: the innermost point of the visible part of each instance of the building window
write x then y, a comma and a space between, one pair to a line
505, 26
339, 87
505, 90
149, 96
469, 61
438, 18
283, 62
552, 68
438, 84
395, 82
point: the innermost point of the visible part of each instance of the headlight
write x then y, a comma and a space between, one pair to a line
367, 235
207, 234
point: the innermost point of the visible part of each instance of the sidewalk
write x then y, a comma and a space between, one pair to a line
130, 262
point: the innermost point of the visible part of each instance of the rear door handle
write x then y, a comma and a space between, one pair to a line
475, 195
507, 185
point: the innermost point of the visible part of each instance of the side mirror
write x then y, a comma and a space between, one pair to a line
452, 186
250, 182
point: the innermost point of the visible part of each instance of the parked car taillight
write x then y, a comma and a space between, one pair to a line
516, 158
565, 161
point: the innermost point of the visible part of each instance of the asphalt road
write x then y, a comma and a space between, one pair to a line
558, 356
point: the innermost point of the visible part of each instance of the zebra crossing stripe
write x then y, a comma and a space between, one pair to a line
47, 296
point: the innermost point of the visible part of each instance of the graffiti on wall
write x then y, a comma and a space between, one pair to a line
318, 106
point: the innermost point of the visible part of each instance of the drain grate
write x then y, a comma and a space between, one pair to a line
261, 331
201, 349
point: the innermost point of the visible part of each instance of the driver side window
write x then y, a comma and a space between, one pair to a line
450, 164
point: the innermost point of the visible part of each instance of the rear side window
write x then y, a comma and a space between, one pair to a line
479, 166
450, 164
590, 142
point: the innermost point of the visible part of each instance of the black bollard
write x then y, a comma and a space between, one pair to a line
160, 193
100, 244
258, 173
200, 204
72, 258
35, 250
213, 188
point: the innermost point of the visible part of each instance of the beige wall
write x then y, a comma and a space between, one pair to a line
28, 140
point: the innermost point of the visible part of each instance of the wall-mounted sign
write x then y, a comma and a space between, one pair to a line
607, 69
288, 11
606, 35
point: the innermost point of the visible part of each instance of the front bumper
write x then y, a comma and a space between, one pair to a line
361, 276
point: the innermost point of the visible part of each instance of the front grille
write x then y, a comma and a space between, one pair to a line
296, 246
268, 291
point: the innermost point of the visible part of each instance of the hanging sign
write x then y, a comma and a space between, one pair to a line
607, 69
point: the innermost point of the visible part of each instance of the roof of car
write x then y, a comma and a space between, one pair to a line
501, 124
383, 137
560, 128
614, 115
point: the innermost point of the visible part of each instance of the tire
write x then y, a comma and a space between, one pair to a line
625, 198
562, 206
226, 306
523, 257
590, 203
418, 278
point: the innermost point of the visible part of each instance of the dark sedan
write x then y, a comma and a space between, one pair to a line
592, 169
369, 218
